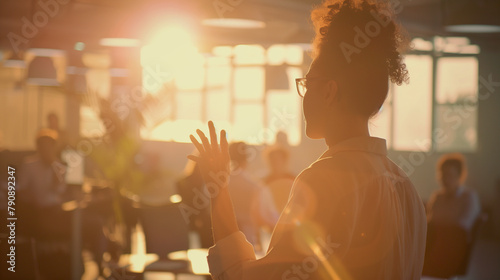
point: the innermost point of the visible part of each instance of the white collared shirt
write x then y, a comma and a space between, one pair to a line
352, 214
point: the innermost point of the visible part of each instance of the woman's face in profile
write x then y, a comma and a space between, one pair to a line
450, 179
314, 102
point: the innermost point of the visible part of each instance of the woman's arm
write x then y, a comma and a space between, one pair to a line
214, 165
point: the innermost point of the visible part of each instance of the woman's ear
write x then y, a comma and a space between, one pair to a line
331, 93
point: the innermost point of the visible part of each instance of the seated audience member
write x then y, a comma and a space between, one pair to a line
43, 174
62, 136
253, 203
454, 203
280, 179
41, 193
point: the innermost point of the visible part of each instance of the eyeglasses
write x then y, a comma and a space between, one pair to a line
301, 84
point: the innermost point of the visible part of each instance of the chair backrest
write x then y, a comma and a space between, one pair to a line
165, 229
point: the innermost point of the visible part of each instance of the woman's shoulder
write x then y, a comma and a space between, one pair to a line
335, 166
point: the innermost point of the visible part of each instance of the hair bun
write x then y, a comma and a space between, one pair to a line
361, 32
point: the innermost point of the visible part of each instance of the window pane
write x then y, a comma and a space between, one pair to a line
294, 55
456, 108
192, 75
248, 123
412, 105
249, 55
456, 79
249, 83
218, 83
276, 54
218, 72
218, 105
279, 54
188, 106
283, 114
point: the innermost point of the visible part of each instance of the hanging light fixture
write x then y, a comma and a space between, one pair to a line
472, 16
41, 72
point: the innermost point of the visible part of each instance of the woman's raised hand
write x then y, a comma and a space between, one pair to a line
213, 159
214, 166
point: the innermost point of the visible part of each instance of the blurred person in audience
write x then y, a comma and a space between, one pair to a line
453, 203
352, 214
41, 193
253, 203
282, 140
54, 124
195, 196
280, 179
43, 174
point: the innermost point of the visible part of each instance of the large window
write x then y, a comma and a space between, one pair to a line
438, 109
247, 89
456, 103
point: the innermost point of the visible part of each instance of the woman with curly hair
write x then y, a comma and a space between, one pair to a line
352, 214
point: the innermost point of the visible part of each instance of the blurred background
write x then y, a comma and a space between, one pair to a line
124, 83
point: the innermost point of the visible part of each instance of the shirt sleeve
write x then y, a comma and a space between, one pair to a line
300, 236
225, 257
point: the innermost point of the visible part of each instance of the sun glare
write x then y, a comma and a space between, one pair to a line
171, 60
169, 52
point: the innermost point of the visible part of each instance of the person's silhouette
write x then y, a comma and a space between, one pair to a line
454, 203
352, 214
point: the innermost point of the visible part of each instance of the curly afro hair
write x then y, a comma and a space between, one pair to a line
361, 39
336, 22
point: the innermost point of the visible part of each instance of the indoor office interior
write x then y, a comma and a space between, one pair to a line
109, 92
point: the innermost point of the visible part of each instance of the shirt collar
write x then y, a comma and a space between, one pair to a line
360, 144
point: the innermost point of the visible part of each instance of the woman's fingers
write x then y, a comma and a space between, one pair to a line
210, 151
213, 137
223, 143
205, 142
194, 158
197, 144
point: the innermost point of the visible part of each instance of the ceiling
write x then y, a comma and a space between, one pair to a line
66, 22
